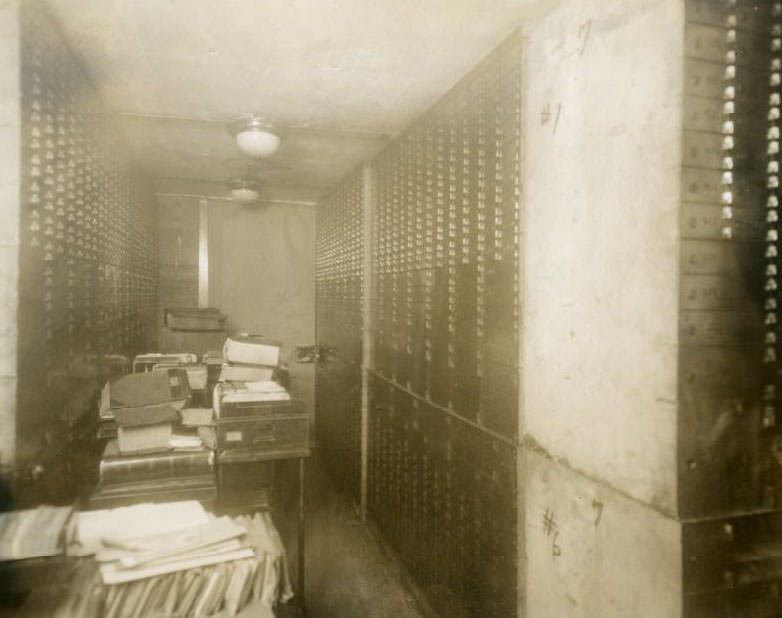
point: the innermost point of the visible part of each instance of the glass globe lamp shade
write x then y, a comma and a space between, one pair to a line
255, 137
244, 190
244, 195
257, 143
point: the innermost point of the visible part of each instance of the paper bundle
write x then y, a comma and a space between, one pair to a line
175, 559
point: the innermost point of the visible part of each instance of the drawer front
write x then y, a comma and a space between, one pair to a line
244, 409
731, 553
271, 433
245, 484
255, 498
245, 475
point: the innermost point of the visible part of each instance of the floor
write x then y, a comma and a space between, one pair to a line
347, 573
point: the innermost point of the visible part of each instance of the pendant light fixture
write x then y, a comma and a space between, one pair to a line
255, 137
244, 191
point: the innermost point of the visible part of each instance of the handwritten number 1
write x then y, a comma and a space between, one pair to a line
598, 507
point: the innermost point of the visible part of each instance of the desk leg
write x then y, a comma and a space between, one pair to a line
219, 505
300, 544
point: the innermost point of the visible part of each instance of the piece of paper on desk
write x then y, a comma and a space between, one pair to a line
256, 391
129, 522
197, 417
184, 441
170, 542
208, 437
130, 559
245, 574
264, 386
144, 438
112, 575
129, 567
271, 581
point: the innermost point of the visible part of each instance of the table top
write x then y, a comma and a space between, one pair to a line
253, 454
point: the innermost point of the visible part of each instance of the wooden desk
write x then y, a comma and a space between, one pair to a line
247, 456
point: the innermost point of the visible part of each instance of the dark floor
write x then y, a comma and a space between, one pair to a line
347, 573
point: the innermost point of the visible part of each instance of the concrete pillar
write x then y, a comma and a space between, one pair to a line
10, 128
603, 84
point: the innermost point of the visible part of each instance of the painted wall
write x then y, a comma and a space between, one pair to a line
602, 150
262, 275
10, 126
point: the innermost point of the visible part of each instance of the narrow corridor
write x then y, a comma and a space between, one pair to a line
348, 575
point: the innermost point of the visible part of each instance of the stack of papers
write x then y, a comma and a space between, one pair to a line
245, 373
197, 417
227, 393
129, 559
135, 521
175, 559
255, 391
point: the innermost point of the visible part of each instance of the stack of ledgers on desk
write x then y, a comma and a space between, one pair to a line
161, 453
137, 391
176, 559
174, 474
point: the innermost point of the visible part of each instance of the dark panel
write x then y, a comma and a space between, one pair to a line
729, 442
728, 309
446, 250
444, 400
733, 566
88, 261
443, 492
339, 302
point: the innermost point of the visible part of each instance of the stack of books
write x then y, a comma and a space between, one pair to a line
252, 408
139, 390
213, 361
177, 559
159, 454
162, 476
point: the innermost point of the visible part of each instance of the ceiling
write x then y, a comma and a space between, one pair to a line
343, 75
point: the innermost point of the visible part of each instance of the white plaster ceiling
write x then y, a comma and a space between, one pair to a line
344, 75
